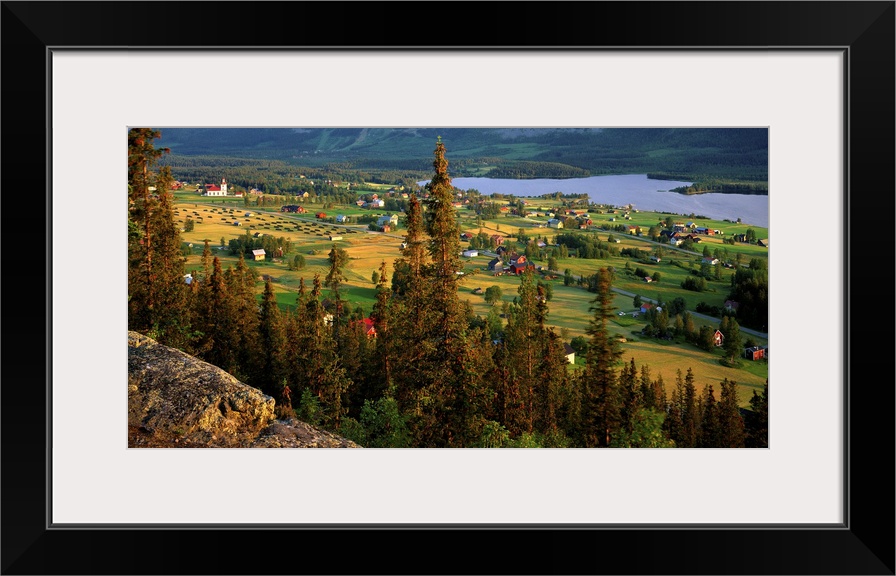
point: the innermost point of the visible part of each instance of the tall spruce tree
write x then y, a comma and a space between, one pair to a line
551, 392
733, 341
337, 258
272, 338
659, 392
219, 325
453, 382
756, 423
438, 390
444, 252
158, 296
524, 347
413, 345
601, 402
709, 424
630, 395
731, 423
169, 290
142, 156
244, 308
383, 316
646, 389
690, 414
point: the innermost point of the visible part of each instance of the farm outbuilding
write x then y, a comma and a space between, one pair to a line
258, 255
754, 353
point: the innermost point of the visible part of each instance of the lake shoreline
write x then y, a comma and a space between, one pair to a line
636, 190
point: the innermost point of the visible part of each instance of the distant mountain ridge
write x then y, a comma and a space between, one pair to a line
742, 152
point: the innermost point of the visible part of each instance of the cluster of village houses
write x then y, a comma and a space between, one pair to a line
516, 264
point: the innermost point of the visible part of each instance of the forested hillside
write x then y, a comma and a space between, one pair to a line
691, 154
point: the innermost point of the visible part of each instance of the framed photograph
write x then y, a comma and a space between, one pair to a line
818, 76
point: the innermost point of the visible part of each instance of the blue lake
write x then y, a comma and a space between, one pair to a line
636, 189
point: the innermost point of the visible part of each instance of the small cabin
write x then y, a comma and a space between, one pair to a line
718, 338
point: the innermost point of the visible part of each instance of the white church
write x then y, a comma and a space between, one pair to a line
215, 190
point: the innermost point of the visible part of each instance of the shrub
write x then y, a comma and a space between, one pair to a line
297, 263
705, 308
309, 410
579, 344
694, 284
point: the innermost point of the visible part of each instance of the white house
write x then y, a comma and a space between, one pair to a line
387, 220
555, 223
570, 353
471, 253
341, 218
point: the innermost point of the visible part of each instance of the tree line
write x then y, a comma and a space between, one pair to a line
435, 374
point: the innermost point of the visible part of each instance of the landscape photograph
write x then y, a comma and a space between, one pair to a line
426, 287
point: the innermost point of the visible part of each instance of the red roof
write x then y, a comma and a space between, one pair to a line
369, 328
213, 188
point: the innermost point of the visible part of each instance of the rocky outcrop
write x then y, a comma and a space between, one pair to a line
177, 400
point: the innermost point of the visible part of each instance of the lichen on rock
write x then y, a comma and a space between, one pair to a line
177, 400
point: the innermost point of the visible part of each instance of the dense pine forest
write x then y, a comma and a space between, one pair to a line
434, 375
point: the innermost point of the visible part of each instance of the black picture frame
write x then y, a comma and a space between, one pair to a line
864, 544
